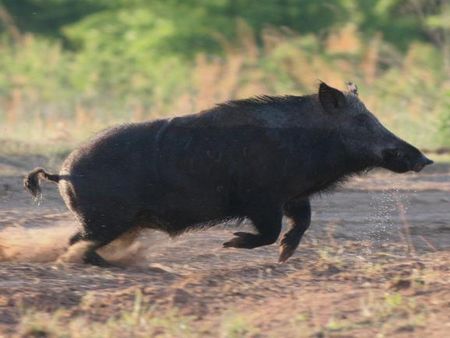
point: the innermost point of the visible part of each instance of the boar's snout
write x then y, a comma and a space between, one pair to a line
424, 161
404, 158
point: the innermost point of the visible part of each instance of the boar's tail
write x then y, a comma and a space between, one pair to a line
31, 181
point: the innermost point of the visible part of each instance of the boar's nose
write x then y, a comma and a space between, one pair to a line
421, 163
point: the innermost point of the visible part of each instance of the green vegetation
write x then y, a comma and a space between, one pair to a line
69, 68
41, 324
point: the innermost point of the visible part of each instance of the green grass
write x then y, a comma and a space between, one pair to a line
70, 100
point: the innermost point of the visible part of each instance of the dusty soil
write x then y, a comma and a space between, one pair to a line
375, 262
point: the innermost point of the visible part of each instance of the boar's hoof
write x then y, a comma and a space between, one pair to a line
286, 251
287, 248
94, 258
243, 240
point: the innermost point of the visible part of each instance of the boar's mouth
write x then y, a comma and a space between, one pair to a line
420, 165
401, 161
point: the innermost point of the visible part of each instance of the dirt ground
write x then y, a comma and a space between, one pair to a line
373, 264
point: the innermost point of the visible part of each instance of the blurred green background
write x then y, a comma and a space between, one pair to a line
69, 68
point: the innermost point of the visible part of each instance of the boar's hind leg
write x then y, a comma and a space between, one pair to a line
268, 225
90, 256
97, 237
298, 212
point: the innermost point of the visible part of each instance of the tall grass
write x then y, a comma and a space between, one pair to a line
48, 94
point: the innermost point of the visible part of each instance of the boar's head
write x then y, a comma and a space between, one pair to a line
363, 136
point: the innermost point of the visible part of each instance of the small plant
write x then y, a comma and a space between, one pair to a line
137, 323
236, 326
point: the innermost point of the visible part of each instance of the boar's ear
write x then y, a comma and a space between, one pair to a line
330, 98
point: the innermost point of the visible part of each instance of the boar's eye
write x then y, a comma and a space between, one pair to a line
397, 154
393, 153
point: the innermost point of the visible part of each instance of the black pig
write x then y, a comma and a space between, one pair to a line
259, 158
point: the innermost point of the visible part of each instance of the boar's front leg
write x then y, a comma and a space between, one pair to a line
267, 222
298, 212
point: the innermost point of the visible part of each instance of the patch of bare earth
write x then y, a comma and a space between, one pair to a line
375, 263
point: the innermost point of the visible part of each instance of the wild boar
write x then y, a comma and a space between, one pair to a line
258, 158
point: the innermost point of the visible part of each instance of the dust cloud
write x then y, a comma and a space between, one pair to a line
51, 244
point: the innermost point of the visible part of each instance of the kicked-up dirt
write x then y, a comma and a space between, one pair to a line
374, 263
